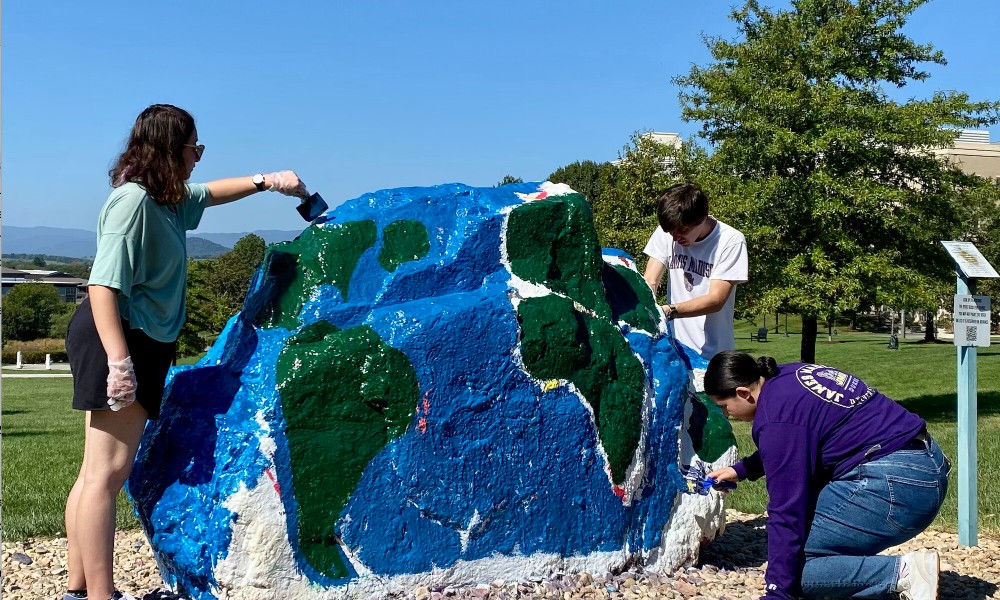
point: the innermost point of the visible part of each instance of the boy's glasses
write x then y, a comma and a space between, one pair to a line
199, 149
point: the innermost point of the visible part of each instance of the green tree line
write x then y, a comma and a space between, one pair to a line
835, 185
215, 292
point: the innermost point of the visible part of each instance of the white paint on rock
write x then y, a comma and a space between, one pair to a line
260, 563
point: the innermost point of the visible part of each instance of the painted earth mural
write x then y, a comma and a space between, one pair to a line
442, 385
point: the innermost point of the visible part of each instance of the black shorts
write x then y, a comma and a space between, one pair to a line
89, 363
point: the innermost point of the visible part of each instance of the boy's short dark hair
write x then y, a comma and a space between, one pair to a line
681, 205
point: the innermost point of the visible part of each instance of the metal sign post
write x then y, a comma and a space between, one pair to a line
967, 320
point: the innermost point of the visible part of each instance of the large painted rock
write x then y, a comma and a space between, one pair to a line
431, 386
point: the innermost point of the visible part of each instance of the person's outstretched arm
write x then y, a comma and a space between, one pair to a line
223, 191
750, 468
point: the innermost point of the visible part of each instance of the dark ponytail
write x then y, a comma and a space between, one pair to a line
730, 370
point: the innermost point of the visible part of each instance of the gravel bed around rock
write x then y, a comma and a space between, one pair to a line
731, 567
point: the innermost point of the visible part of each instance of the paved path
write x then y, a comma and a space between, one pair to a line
38, 375
57, 370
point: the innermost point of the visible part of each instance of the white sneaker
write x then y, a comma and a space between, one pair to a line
920, 578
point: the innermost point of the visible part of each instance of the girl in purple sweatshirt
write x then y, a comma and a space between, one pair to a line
849, 474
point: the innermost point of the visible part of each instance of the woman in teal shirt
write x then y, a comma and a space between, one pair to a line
122, 339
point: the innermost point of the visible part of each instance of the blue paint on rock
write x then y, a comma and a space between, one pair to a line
492, 464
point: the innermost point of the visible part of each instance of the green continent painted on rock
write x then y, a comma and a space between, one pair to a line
553, 242
710, 431
325, 255
345, 394
560, 342
403, 241
634, 302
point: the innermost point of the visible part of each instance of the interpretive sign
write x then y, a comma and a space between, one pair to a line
972, 320
970, 260
972, 329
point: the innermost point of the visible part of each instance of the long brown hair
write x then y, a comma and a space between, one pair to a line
154, 156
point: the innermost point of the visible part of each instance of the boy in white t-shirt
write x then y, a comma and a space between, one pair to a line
707, 259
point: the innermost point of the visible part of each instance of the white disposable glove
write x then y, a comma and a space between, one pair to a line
287, 183
121, 383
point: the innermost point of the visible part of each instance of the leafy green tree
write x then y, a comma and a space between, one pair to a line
215, 292
234, 270
28, 309
833, 183
625, 211
77, 268
59, 320
509, 179
981, 226
39, 262
199, 309
586, 177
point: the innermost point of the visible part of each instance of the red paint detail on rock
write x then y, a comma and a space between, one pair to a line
425, 408
270, 475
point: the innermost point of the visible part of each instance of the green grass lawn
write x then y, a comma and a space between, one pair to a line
919, 376
43, 436
42, 450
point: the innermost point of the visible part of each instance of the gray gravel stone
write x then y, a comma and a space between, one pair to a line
730, 568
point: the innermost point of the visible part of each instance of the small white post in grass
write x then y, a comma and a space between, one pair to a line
48, 362
18, 365
971, 319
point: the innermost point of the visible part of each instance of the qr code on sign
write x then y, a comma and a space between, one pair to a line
970, 333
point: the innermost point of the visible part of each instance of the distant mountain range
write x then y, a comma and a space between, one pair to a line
199, 247
80, 243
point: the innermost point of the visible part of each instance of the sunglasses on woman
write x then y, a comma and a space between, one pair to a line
199, 149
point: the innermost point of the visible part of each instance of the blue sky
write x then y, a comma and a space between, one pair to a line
360, 96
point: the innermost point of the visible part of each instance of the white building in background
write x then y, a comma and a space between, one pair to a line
667, 139
70, 289
973, 152
664, 139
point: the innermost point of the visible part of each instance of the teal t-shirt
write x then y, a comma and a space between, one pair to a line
142, 253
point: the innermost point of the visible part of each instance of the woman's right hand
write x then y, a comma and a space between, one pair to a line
725, 474
287, 183
121, 383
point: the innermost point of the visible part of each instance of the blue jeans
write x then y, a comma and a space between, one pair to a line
876, 505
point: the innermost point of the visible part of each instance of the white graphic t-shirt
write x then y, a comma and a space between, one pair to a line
721, 255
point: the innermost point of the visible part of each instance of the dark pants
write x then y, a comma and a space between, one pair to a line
89, 363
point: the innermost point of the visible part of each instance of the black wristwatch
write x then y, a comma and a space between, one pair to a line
671, 312
258, 181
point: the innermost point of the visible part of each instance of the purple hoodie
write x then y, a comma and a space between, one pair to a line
813, 424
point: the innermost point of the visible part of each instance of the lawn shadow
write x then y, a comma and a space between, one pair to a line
19, 433
944, 407
743, 545
823, 340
